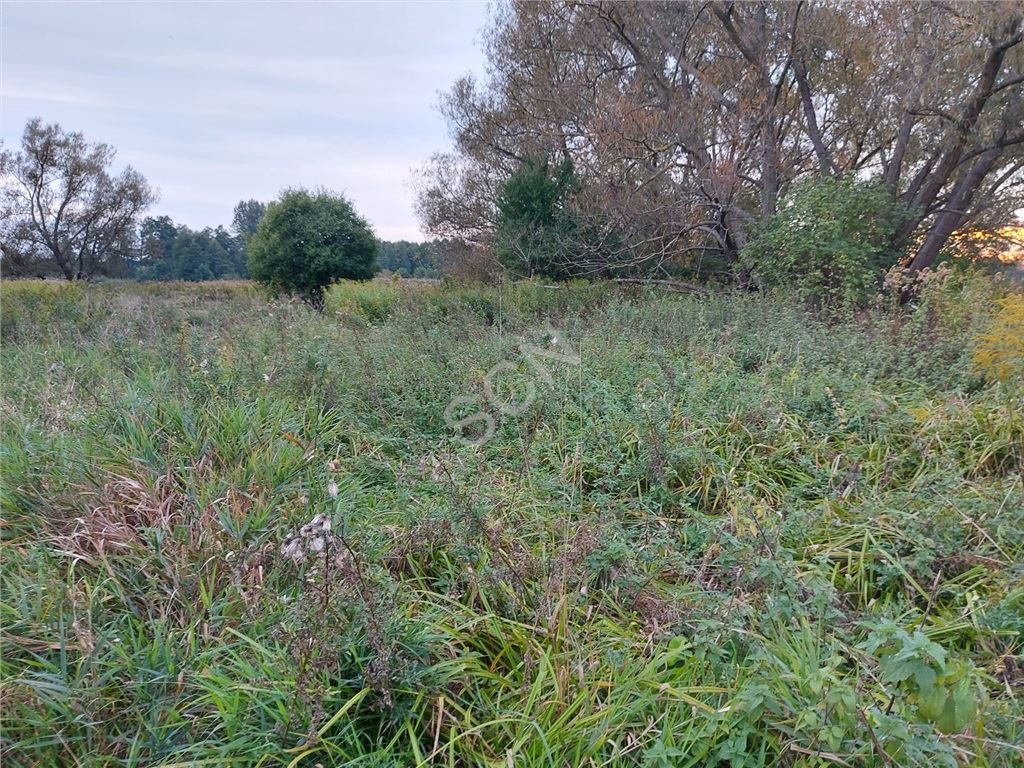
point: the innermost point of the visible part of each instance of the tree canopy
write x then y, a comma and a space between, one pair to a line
247, 217
408, 259
174, 252
535, 225
308, 240
688, 122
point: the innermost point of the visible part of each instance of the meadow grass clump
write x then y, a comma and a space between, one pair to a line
705, 531
372, 301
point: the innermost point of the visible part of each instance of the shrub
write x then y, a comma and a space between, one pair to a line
830, 241
306, 241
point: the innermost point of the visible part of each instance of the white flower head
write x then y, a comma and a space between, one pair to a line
332, 490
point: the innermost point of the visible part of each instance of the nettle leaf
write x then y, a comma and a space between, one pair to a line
960, 709
924, 676
834, 736
808, 720
661, 755
918, 659
883, 634
816, 682
919, 646
930, 706
895, 670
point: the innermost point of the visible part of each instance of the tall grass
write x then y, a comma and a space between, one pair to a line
734, 534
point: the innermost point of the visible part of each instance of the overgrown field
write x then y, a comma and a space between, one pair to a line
704, 532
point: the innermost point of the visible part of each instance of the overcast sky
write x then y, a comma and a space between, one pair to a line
219, 102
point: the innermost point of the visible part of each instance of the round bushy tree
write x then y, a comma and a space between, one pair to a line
308, 240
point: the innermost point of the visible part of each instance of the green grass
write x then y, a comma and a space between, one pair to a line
733, 534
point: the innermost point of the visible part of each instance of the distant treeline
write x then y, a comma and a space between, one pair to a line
411, 259
65, 214
166, 251
175, 252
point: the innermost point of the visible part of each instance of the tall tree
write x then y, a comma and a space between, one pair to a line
157, 236
60, 204
170, 252
247, 217
686, 122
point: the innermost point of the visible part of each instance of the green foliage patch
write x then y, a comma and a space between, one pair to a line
307, 240
537, 230
830, 242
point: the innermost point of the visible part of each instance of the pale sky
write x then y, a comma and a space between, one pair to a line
219, 102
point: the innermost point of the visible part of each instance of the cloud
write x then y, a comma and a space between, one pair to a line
42, 95
215, 103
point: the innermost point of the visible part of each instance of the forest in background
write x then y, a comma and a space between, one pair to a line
613, 138
159, 249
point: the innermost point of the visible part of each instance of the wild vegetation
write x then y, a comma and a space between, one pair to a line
705, 531
308, 240
734, 477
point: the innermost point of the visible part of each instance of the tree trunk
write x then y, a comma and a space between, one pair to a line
955, 212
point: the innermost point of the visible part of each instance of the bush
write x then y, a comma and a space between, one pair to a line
830, 241
306, 241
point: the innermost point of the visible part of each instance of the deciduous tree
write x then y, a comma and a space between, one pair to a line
308, 240
688, 121
62, 207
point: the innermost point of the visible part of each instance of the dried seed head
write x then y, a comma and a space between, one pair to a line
292, 549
